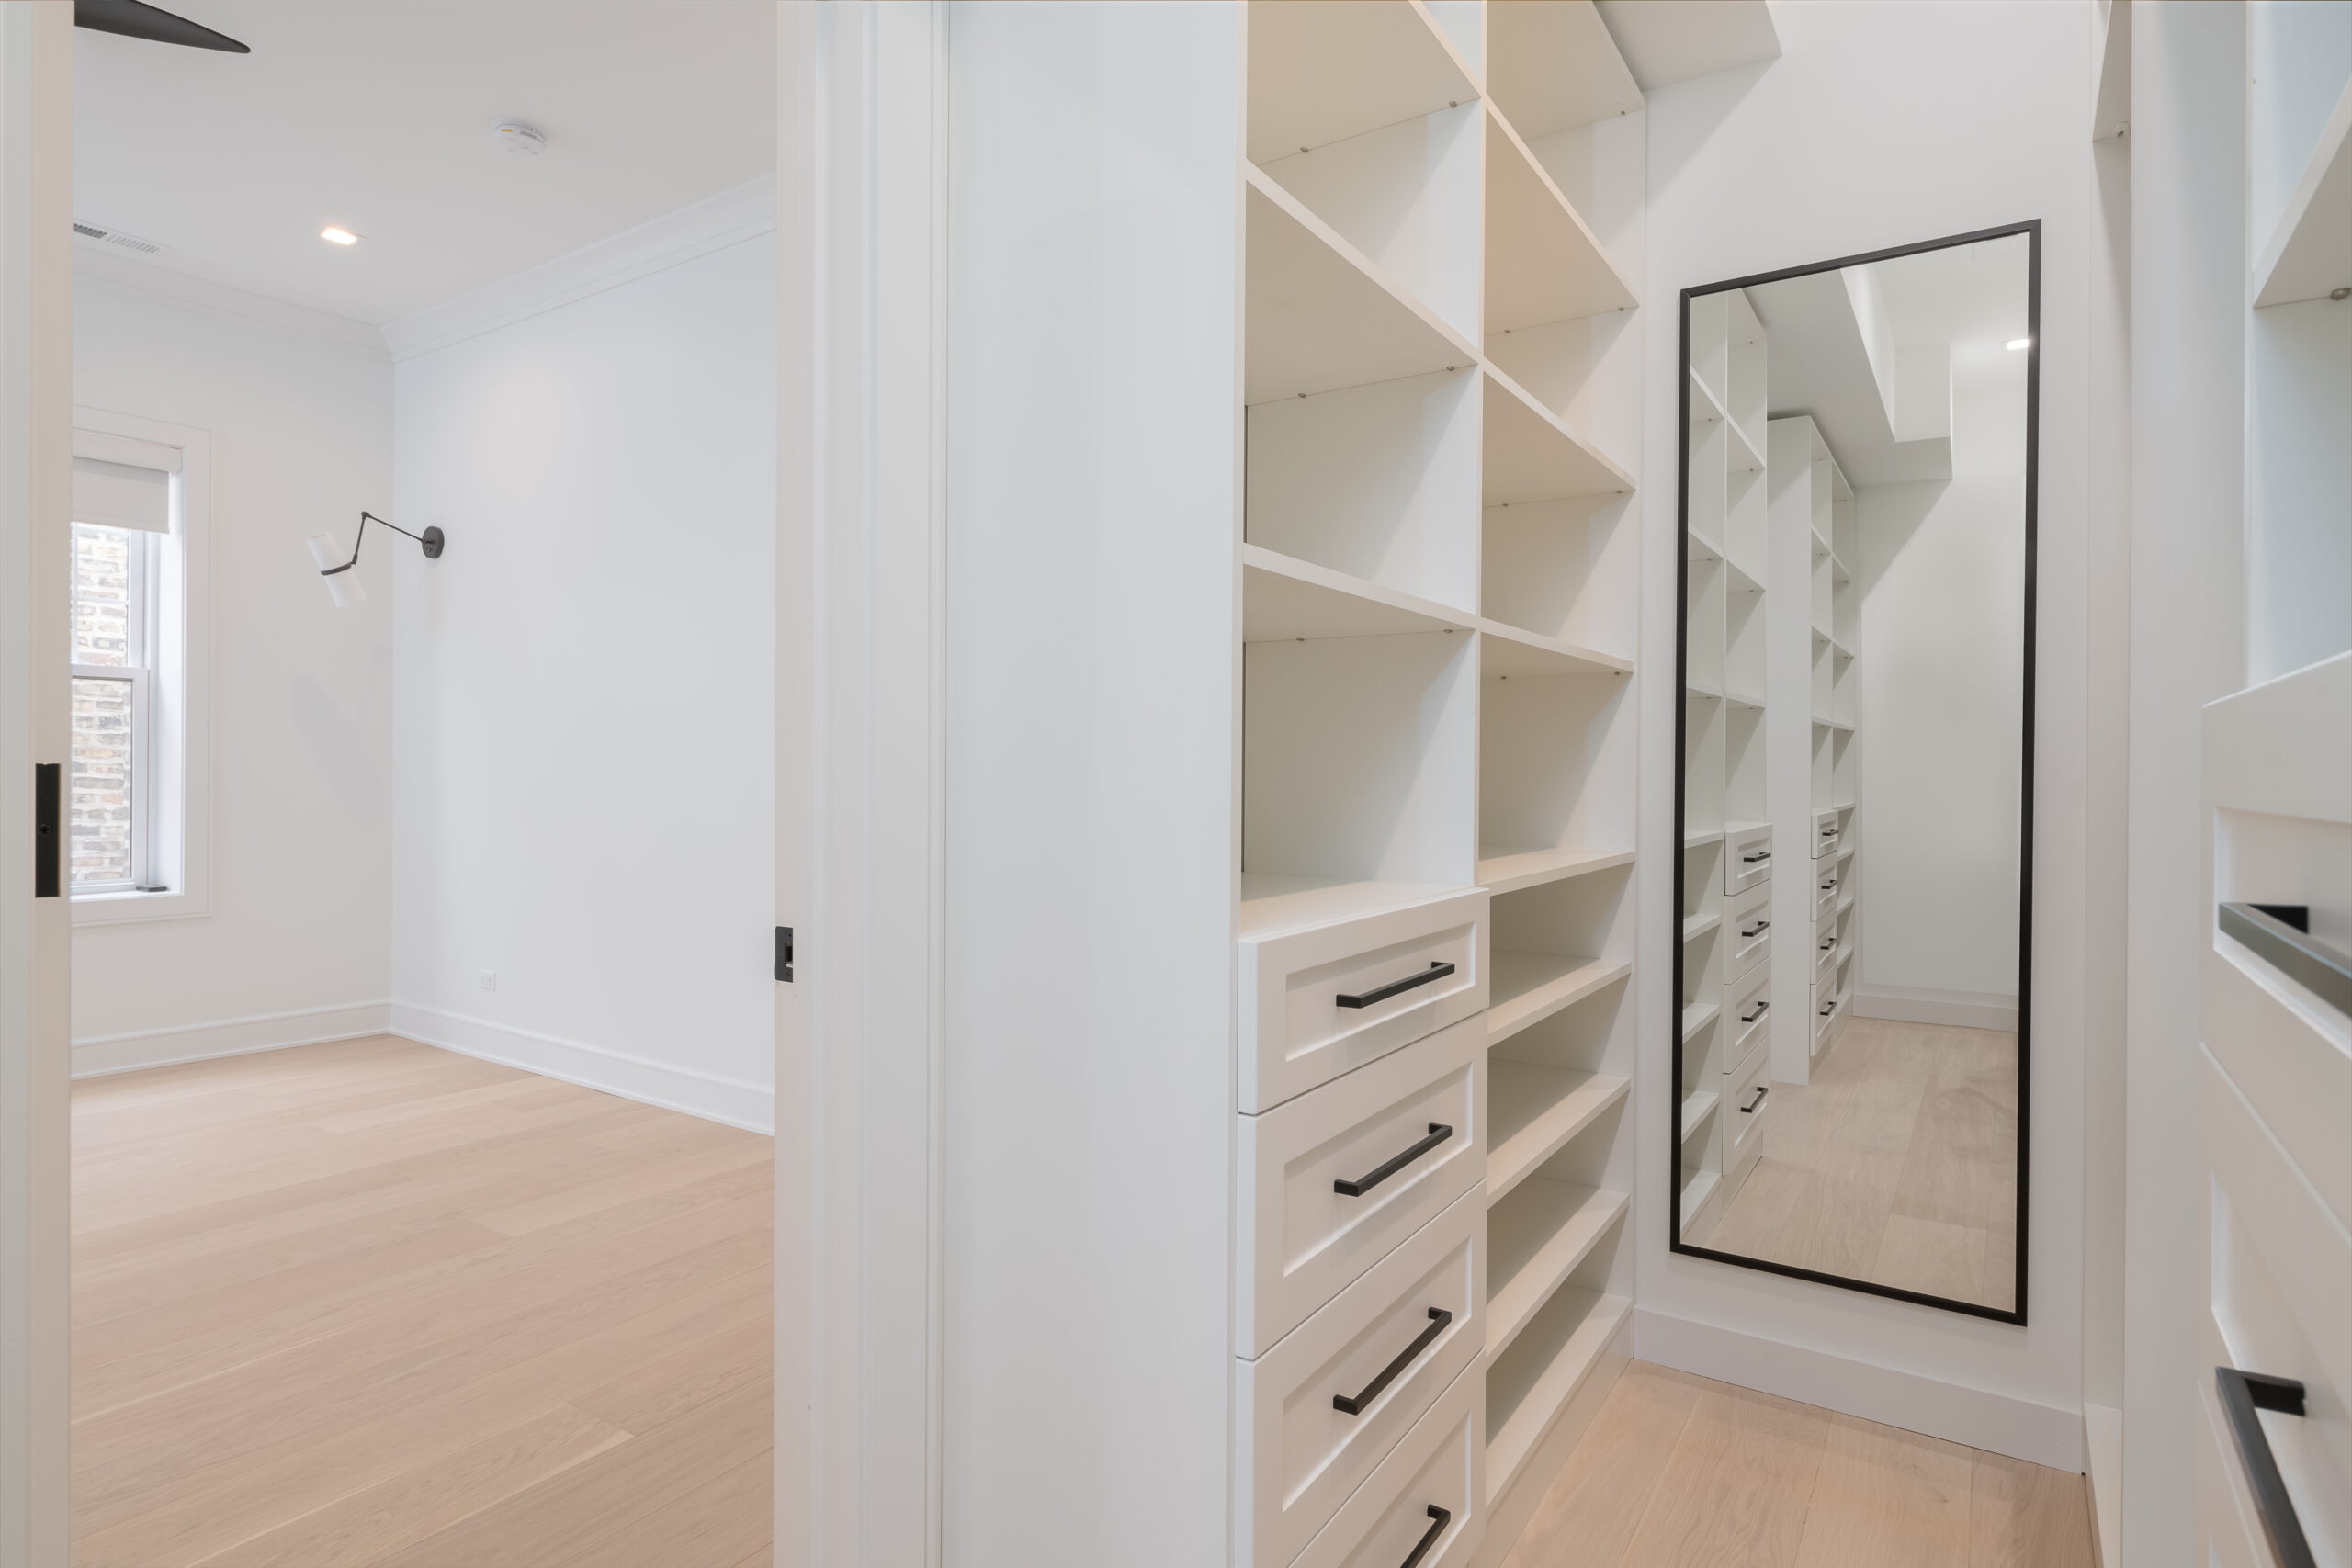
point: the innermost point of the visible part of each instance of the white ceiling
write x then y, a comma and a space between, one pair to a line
376, 116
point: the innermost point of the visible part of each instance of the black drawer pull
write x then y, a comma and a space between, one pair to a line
1439, 1133
2241, 1394
1761, 1009
1829, 942
1830, 831
1443, 1517
1748, 1109
1751, 860
1759, 929
1396, 987
1439, 1318
1830, 886
1830, 1007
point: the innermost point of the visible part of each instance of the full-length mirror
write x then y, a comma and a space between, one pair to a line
1855, 770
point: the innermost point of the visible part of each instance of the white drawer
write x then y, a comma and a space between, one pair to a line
1743, 1119
1319, 1000
1326, 1404
1301, 1238
1824, 992
1748, 1012
1432, 1488
1828, 879
1828, 827
1749, 922
1747, 857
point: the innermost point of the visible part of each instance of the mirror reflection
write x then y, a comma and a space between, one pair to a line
1854, 773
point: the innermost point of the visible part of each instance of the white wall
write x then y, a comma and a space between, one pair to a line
1941, 713
1883, 125
585, 689
296, 944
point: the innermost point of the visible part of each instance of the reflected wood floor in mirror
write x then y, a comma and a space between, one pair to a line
1677, 1472
1898, 1164
377, 1303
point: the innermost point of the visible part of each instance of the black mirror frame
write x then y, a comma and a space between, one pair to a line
2032, 231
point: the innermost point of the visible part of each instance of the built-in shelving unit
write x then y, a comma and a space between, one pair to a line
1441, 389
1726, 701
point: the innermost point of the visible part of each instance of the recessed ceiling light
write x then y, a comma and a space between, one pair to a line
517, 136
334, 235
2020, 342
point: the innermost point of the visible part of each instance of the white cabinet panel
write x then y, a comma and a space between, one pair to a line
1429, 1495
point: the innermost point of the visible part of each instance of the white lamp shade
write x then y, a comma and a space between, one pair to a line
343, 586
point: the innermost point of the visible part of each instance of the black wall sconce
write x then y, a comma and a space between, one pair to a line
346, 589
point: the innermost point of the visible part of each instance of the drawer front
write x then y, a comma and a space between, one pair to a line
1302, 1239
1747, 858
1750, 923
1324, 999
1748, 1013
1756, 1054
1389, 1345
1827, 828
1440, 1468
1743, 1117
1828, 879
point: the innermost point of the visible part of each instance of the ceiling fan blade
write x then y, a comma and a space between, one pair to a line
131, 18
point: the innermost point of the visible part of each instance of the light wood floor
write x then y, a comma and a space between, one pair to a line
1677, 1472
375, 1303
1898, 1164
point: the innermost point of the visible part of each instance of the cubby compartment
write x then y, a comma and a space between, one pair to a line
1744, 753
1556, 762
1744, 382
1705, 730
1746, 515
1706, 583
1824, 677
1706, 489
1560, 569
1379, 482
1843, 771
1359, 762
1529, 1383
1743, 635
1544, 262
1553, 1091
1710, 349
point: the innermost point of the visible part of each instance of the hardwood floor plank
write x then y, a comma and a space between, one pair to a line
2022, 1516
363, 1527
575, 1201
1738, 1486
1588, 1515
644, 1398
1886, 1497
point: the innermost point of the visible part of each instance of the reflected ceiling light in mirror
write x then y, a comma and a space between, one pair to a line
334, 236
2020, 342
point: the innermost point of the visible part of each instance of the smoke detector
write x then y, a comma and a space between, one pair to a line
117, 238
523, 141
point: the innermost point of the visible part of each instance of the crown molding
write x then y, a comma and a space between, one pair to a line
713, 224
148, 281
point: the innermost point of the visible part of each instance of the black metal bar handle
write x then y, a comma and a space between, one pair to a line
1442, 1517
1829, 830
1348, 1404
1762, 1090
49, 833
1761, 1009
1829, 944
1439, 1133
1394, 987
2288, 946
1759, 929
1830, 1007
1830, 886
1751, 860
2242, 1393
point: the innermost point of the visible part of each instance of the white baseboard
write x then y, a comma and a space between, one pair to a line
2039, 1434
706, 1095
228, 1037
2103, 1443
1959, 1010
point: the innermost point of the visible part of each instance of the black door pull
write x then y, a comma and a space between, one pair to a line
1751, 860
1439, 1133
1748, 1109
1759, 929
1442, 1517
2242, 1393
1761, 1009
1348, 1404
1394, 987
49, 843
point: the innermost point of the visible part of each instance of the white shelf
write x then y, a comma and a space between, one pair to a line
1542, 263
1698, 1186
1528, 1387
1704, 689
1844, 851
1528, 988
1552, 68
1697, 1016
1285, 599
1742, 700
1508, 871
1271, 903
1701, 840
1707, 407
1744, 826
1697, 926
1535, 1239
1530, 455
1321, 315
1844, 904
2306, 255
1697, 1106
1397, 68
1532, 1114
1513, 651
1702, 548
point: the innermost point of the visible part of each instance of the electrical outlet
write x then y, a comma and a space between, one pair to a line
488, 978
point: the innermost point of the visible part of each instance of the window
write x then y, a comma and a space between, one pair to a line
135, 795
112, 793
